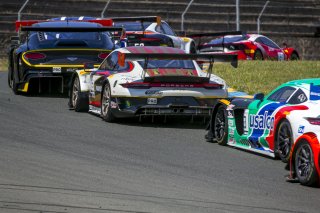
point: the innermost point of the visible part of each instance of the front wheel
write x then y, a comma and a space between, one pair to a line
221, 126
106, 113
294, 57
284, 141
78, 100
304, 165
258, 55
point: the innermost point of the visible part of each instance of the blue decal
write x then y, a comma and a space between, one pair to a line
262, 121
314, 92
301, 129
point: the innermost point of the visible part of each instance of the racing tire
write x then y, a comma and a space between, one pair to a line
283, 141
258, 55
10, 80
192, 49
106, 113
14, 85
304, 164
221, 126
294, 56
78, 100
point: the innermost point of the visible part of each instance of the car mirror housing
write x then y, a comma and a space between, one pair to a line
258, 96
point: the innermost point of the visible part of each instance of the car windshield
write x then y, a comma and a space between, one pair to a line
87, 36
133, 26
175, 64
228, 39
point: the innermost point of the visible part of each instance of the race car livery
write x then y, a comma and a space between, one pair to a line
247, 46
53, 49
149, 81
152, 31
271, 125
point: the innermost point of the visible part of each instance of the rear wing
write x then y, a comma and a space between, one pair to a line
25, 23
72, 29
141, 19
223, 34
211, 58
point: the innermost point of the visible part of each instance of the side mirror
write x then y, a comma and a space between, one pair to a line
88, 65
258, 96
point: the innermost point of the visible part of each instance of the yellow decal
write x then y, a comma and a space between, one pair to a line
25, 88
184, 39
224, 101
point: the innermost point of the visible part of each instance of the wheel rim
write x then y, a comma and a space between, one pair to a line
284, 140
304, 161
105, 100
258, 56
220, 124
75, 92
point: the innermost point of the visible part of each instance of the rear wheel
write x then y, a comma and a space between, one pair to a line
294, 56
106, 113
258, 55
221, 126
284, 141
78, 101
304, 164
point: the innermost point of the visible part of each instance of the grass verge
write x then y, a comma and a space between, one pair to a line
3, 64
263, 76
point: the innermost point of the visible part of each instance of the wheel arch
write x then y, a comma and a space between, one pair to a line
311, 139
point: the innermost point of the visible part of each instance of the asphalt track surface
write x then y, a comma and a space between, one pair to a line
56, 160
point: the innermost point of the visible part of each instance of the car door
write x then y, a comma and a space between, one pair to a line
260, 118
164, 28
273, 51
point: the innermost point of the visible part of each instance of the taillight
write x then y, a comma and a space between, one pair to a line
213, 86
136, 85
35, 56
143, 85
249, 51
103, 55
313, 121
150, 39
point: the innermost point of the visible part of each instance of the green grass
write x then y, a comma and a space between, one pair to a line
263, 76
3, 64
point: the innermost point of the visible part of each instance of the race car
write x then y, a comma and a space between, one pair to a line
247, 46
149, 81
52, 50
152, 31
271, 125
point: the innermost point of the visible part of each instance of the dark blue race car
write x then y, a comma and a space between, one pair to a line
44, 58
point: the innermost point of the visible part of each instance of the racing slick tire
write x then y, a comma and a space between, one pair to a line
258, 55
106, 112
294, 56
193, 49
78, 100
304, 164
283, 141
221, 126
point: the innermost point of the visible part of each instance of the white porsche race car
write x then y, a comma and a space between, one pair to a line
152, 31
149, 81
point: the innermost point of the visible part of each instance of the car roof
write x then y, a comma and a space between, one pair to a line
154, 49
303, 81
66, 24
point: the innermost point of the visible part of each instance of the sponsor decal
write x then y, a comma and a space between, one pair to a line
231, 132
72, 70
301, 129
153, 92
230, 107
264, 121
230, 123
113, 105
314, 92
72, 58
98, 88
152, 101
